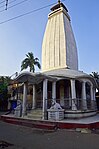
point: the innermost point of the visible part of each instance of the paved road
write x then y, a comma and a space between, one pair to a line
30, 138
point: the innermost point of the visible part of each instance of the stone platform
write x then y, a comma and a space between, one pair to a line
69, 114
89, 122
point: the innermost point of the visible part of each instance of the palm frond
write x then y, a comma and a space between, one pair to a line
30, 62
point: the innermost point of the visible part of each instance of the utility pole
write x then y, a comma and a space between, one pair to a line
6, 4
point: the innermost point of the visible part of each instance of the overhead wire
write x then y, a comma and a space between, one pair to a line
2, 2
9, 3
13, 5
24, 14
17, 4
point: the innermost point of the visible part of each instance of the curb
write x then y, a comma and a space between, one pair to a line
49, 125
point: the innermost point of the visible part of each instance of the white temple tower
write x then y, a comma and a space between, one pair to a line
59, 47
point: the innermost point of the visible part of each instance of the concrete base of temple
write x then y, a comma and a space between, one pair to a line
79, 114
35, 114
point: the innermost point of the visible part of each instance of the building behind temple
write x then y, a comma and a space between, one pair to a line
60, 78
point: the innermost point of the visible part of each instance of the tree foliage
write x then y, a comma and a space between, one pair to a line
4, 81
30, 62
96, 77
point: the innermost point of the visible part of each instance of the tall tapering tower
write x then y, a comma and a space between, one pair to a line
59, 47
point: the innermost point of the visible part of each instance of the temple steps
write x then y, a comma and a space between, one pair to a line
35, 114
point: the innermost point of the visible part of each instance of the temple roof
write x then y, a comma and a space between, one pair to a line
66, 73
53, 75
33, 78
70, 74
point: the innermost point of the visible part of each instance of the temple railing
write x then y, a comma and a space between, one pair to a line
67, 103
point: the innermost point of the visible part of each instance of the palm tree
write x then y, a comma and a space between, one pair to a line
95, 75
30, 62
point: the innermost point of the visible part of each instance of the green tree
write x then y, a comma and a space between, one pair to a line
30, 62
4, 81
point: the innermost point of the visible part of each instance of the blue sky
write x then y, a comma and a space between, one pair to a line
25, 34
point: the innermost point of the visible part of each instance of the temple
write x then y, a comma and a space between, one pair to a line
60, 80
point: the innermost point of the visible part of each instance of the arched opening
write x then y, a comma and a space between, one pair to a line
39, 95
63, 93
88, 95
49, 95
78, 88
63, 89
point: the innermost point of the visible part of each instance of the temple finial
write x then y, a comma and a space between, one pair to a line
59, 1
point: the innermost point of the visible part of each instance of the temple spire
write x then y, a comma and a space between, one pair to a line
59, 48
59, 1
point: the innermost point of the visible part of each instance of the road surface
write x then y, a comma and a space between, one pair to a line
30, 138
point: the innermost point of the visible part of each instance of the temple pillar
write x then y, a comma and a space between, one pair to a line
54, 90
92, 98
94, 92
34, 97
24, 99
73, 94
45, 98
91, 89
84, 102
